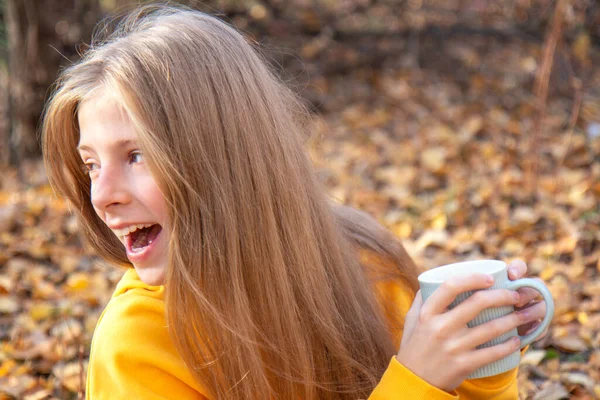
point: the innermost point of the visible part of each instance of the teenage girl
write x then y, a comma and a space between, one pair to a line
182, 156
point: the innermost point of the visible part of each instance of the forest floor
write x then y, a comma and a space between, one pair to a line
438, 143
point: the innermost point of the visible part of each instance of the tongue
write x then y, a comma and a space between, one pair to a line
145, 237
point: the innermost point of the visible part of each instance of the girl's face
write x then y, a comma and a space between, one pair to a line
124, 193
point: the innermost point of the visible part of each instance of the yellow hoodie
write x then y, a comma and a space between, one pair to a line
133, 358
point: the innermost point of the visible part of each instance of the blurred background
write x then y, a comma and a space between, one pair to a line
470, 128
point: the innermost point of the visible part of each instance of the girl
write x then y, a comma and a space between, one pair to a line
182, 155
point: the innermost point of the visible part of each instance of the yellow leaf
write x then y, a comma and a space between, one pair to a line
41, 311
583, 318
78, 282
20, 370
439, 222
6, 367
567, 317
546, 250
402, 230
547, 273
581, 47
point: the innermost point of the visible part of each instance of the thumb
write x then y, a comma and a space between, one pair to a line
412, 318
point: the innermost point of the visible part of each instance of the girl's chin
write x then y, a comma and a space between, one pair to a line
153, 276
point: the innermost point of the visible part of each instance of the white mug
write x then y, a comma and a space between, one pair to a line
430, 280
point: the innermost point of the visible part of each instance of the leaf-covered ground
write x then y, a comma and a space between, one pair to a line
445, 160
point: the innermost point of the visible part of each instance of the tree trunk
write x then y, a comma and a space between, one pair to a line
41, 37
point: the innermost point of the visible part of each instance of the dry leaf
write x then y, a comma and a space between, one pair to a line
533, 357
553, 391
571, 344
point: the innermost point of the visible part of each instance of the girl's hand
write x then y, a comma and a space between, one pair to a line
530, 308
436, 343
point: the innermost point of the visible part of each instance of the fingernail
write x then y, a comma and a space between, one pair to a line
516, 296
533, 327
489, 279
512, 272
516, 340
524, 315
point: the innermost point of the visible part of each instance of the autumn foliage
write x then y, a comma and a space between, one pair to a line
434, 141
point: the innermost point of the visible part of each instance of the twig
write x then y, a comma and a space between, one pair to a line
576, 83
541, 92
81, 391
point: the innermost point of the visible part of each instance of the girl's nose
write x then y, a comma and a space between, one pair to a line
109, 189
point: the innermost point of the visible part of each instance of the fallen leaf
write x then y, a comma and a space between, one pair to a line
553, 391
434, 158
9, 304
533, 357
570, 344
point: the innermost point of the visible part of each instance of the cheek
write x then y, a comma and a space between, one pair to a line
156, 201
160, 208
97, 210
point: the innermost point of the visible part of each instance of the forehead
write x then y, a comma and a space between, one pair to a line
101, 118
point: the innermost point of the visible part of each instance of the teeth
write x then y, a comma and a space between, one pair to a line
132, 228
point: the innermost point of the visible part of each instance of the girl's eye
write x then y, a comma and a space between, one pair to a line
88, 167
135, 157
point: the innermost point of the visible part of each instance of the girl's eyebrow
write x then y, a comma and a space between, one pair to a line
118, 143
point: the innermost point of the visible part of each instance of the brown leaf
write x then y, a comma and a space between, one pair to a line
571, 344
9, 304
552, 391
580, 379
71, 375
533, 357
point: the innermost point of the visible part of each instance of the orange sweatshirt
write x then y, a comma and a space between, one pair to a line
132, 356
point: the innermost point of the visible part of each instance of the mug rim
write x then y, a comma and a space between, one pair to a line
433, 275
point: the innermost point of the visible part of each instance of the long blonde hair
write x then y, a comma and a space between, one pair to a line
266, 296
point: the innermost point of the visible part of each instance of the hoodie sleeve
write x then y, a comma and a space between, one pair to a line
398, 382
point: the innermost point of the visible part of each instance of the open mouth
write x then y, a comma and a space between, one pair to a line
138, 240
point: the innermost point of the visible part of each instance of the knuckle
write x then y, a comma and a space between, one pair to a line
515, 320
480, 297
497, 326
426, 318
450, 285
424, 315
506, 348
452, 347
488, 298
497, 352
462, 366
438, 328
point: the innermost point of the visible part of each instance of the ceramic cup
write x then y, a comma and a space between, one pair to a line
430, 280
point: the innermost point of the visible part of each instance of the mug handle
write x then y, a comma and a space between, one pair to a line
540, 287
